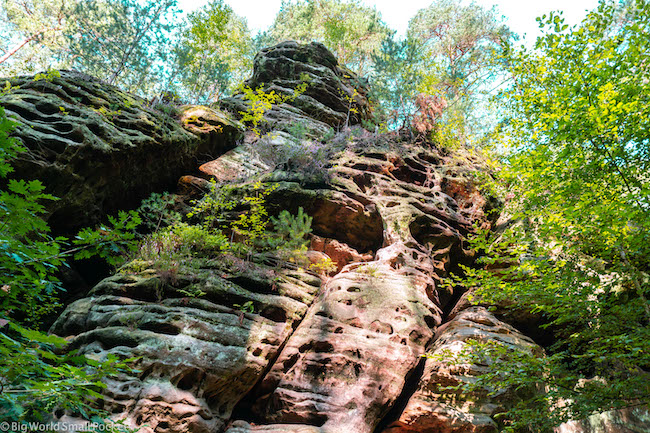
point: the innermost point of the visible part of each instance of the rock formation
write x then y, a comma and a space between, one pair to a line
229, 345
333, 96
99, 149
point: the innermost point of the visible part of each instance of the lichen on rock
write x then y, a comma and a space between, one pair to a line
333, 96
342, 351
99, 149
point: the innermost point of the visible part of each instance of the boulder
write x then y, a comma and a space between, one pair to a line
206, 334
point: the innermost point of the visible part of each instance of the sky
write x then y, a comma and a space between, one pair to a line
519, 14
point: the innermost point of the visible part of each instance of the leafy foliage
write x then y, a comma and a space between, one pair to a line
39, 380
29, 256
351, 30
460, 61
36, 377
31, 35
396, 76
226, 222
123, 42
157, 211
324, 266
261, 101
291, 230
214, 51
577, 185
251, 224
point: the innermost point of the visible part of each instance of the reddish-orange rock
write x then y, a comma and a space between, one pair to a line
340, 253
432, 408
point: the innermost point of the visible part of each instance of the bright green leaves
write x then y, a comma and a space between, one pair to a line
577, 184
292, 230
28, 257
214, 52
36, 379
259, 102
111, 242
228, 220
9, 147
587, 121
251, 224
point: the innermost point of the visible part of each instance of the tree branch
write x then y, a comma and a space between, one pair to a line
27, 40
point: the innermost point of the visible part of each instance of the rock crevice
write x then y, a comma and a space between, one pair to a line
360, 350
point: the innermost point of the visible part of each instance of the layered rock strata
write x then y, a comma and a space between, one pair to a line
200, 349
333, 362
99, 149
228, 345
332, 95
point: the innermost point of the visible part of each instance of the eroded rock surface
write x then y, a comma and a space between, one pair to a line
432, 408
100, 149
231, 346
334, 96
336, 362
202, 348
630, 420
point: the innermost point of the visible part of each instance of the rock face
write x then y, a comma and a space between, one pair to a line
635, 419
327, 357
99, 149
201, 350
334, 96
432, 409
232, 346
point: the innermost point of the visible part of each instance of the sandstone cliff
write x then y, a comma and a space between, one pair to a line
337, 353
99, 149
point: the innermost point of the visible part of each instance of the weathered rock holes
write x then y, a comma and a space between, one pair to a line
431, 322
416, 337
47, 108
363, 181
190, 380
274, 314
318, 370
160, 328
146, 373
407, 174
289, 363
253, 285
375, 155
381, 327
325, 314
323, 347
